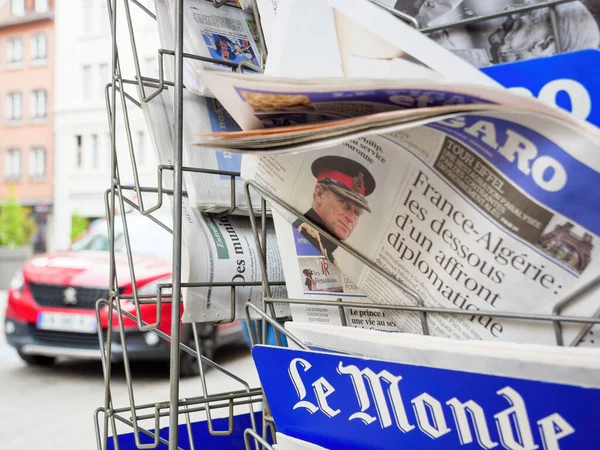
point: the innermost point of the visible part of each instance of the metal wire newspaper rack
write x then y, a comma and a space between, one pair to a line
259, 432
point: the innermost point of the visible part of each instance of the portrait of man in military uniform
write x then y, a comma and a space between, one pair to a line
339, 199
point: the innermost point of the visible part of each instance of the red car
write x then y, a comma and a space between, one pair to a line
52, 300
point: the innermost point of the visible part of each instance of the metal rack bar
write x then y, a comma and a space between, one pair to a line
236, 395
115, 194
169, 167
207, 399
128, 423
434, 310
273, 322
111, 9
571, 298
399, 14
161, 85
250, 434
175, 407
130, 392
162, 52
211, 428
143, 8
189, 406
484, 18
261, 35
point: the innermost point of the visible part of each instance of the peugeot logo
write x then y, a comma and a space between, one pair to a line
70, 296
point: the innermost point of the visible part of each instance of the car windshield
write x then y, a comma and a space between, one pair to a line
146, 238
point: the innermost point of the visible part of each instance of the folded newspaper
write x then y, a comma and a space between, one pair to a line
208, 192
217, 249
487, 202
227, 34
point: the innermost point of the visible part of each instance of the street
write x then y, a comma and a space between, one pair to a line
53, 407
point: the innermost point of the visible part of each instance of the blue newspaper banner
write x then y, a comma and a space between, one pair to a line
567, 80
343, 402
558, 184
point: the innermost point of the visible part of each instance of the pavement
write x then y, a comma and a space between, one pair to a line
53, 407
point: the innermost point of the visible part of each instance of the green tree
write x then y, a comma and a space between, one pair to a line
16, 226
78, 225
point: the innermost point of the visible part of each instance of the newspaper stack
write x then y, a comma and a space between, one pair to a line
204, 25
217, 248
465, 195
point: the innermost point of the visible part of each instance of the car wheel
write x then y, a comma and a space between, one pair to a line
37, 360
207, 334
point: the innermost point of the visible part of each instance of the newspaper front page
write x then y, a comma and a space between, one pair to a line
226, 34
216, 249
477, 213
515, 37
209, 193
222, 249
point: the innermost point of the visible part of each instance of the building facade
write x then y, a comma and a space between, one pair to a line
26, 119
82, 139
565, 245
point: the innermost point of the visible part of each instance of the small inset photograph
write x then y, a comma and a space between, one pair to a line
267, 102
508, 36
320, 275
339, 199
229, 49
568, 245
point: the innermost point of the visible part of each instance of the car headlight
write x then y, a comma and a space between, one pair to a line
151, 288
18, 282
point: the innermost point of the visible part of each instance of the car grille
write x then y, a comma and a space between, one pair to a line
54, 296
64, 338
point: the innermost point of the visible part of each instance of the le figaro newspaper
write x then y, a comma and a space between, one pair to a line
489, 211
475, 213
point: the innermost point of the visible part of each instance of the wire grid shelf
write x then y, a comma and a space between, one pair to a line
108, 416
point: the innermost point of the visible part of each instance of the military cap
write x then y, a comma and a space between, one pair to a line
346, 178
